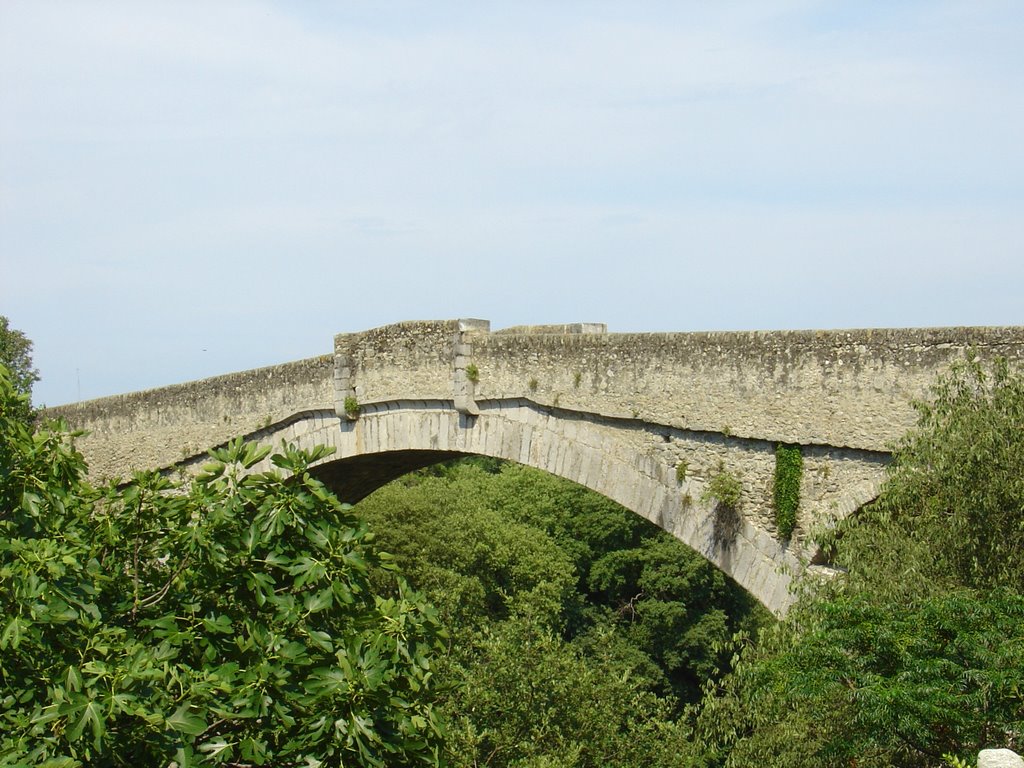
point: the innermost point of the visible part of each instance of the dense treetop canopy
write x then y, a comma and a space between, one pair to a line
227, 620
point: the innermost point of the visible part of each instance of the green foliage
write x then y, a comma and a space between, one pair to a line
473, 373
789, 467
724, 489
477, 564
492, 543
532, 384
351, 406
579, 625
227, 622
678, 609
864, 681
953, 506
919, 651
16, 356
681, 469
531, 699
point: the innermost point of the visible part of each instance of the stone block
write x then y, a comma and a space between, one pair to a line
474, 325
999, 758
525, 444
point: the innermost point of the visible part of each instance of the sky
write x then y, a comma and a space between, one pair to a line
191, 188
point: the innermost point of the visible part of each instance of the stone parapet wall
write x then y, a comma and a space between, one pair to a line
840, 388
411, 360
159, 427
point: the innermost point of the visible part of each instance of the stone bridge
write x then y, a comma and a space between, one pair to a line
645, 419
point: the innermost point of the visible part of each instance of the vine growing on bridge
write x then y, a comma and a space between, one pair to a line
789, 467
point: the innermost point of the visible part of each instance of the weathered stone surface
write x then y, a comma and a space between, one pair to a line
999, 758
617, 413
838, 388
160, 427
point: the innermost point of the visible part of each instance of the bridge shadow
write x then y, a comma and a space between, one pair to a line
354, 478
725, 525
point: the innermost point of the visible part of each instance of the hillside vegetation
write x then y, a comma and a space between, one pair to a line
485, 614
577, 630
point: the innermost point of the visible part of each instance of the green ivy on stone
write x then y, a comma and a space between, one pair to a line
789, 467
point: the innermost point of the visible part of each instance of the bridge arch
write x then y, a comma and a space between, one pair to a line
620, 414
389, 439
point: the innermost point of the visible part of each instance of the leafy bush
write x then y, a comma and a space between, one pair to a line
724, 489
227, 621
956, 488
531, 699
351, 406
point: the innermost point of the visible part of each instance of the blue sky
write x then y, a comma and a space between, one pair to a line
191, 188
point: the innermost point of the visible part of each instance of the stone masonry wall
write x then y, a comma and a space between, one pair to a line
839, 388
401, 361
159, 427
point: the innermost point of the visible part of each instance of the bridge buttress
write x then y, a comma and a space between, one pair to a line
344, 369
463, 382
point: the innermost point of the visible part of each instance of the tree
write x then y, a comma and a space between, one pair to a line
487, 540
577, 626
919, 651
476, 564
875, 684
16, 355
952, 513
528, 698
228, 620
